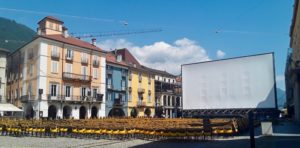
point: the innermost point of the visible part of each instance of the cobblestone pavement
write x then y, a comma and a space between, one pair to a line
7, 141
261, 142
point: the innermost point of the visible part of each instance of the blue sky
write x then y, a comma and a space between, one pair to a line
192, 30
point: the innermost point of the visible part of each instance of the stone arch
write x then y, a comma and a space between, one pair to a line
82, 112
134, 112
29, 112
116, 112
67, 112
94, 112
147, 112
52, 112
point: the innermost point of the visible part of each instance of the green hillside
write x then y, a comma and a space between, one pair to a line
13, 35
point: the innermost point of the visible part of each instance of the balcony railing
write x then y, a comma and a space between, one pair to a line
123, 88
84, 60
109, 86
141, 90
96, 63
55, 55
69, 57
75, 98
118, 102
109, 71
27, 98
76, 77
140, 103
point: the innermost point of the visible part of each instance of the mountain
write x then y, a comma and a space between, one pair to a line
13, 35
281, 98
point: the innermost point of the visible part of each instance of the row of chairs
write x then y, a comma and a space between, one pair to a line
113, 128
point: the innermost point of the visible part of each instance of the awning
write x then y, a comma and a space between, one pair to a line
9, 107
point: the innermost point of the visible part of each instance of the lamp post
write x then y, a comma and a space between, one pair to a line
40, 114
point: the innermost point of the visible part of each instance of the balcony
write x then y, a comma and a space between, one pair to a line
27, 98
109, 71
53, 98
140, 104
141, 90
118, 102
55, 55
76, 77
84, 60
96, 63
73, 98
109, 86
69, 57
123, 88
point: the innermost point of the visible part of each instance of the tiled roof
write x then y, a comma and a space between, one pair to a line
51, 18
128, 57
111, 58
71, 41
160, 72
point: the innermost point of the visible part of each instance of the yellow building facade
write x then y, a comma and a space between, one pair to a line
141, 100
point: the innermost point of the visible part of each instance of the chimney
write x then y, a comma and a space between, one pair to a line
65, 32
94, 41
39, 31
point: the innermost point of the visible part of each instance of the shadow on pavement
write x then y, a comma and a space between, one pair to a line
263, 142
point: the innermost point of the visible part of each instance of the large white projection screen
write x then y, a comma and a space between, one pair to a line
237, 83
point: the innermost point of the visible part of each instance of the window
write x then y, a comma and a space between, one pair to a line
54, 50
129, 96
68, 91
54, 66
84, 58
149, 98
54, 90
109, 96
16, 93
119, 58
129, 74
95, 93
30, 89
57, 27
83, 91
109, 81
122, 97
95, 73
69, 67
123, 85
140, 77
69, 54
117, 96
50, 25
84, 70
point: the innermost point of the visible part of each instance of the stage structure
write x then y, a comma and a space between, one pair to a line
230, 87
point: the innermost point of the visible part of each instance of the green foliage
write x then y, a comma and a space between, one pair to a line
14, 35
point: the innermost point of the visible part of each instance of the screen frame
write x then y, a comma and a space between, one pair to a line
232, 58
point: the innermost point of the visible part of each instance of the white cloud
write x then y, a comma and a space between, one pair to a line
161, 55
220, 54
